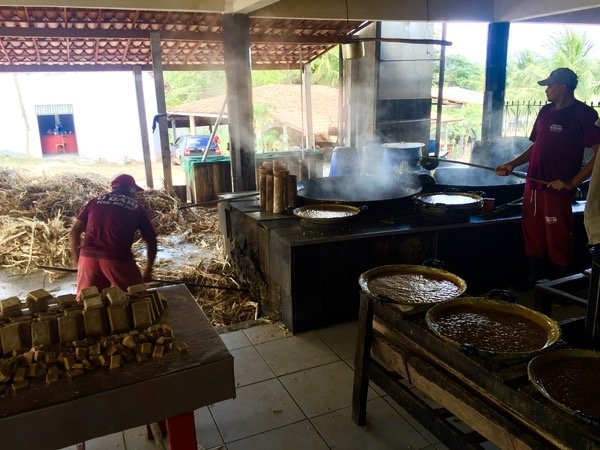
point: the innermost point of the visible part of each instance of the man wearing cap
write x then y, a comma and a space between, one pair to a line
109, 221
562, 130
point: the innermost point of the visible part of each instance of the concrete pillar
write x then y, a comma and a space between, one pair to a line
236, 45
495, 80
404, 83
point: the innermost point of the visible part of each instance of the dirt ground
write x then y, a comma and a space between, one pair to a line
76, 165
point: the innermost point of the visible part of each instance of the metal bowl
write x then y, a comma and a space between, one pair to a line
574, 369
493, 329
426, 275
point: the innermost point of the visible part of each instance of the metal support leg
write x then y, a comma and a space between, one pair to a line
362, 358
592, 322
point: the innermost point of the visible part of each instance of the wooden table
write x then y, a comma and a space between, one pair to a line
105, 402
495, 399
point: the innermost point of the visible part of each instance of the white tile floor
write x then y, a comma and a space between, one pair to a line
293, 392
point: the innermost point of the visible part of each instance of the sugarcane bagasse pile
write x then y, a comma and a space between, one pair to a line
47, 338
36, 213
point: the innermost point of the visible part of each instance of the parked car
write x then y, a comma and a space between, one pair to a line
191, 145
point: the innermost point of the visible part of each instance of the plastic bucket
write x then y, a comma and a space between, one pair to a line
344, 161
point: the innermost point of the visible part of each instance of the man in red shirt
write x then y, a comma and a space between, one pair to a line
109, 221
562, 131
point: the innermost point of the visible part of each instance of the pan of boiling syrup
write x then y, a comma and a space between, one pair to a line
493, 329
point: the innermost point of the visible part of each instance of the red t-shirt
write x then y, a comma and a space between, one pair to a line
111, 221
559, 139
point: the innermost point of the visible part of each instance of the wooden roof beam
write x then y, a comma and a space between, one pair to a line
164, 35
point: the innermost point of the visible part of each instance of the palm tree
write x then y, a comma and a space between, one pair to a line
572, 49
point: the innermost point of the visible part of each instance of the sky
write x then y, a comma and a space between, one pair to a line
470, 39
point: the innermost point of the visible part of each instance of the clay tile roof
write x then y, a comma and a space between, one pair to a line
52, 38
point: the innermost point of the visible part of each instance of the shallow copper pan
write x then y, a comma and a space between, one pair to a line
326, 214
546, 368
478, 306
408, 269
444, 202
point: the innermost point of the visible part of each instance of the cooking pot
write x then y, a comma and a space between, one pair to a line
483, 182
366, 190
402, 156
493, 329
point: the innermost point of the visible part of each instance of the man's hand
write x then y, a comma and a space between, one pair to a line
561, 185
504, 170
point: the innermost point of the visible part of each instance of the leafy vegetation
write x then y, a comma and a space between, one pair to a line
568, 49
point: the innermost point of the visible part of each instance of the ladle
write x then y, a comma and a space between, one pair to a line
430, 163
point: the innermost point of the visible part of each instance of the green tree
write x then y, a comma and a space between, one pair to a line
523, 72
572, 49
185, 87
461, 72
568, 49
326, 69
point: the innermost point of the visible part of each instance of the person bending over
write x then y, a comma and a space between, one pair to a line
108, 223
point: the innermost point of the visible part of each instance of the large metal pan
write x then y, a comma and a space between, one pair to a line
371, 191
456, 205
493, 329
412, 286
569, 378
483, 182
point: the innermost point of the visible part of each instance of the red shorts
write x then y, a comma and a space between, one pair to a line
103, 273
548, 226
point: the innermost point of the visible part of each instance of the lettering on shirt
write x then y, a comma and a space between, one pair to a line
118, 200
551, 220
556, 128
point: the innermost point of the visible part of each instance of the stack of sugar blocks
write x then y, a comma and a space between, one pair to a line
49, 336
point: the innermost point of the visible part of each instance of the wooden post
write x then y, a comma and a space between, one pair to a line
161, 107
139, 93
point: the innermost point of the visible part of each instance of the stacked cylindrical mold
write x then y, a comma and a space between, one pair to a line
277, 188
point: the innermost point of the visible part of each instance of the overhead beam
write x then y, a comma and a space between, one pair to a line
67, 33
519, 10
407, 10
128, 67
246, 6
144, 5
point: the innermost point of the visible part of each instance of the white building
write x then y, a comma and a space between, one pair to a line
94, 114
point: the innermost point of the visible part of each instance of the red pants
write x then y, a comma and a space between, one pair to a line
548, 225
103, 273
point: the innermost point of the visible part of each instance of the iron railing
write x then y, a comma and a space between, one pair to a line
519, 116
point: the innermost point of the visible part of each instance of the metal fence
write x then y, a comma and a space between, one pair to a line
520, 116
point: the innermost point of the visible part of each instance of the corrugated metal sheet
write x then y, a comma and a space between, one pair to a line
50, 110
